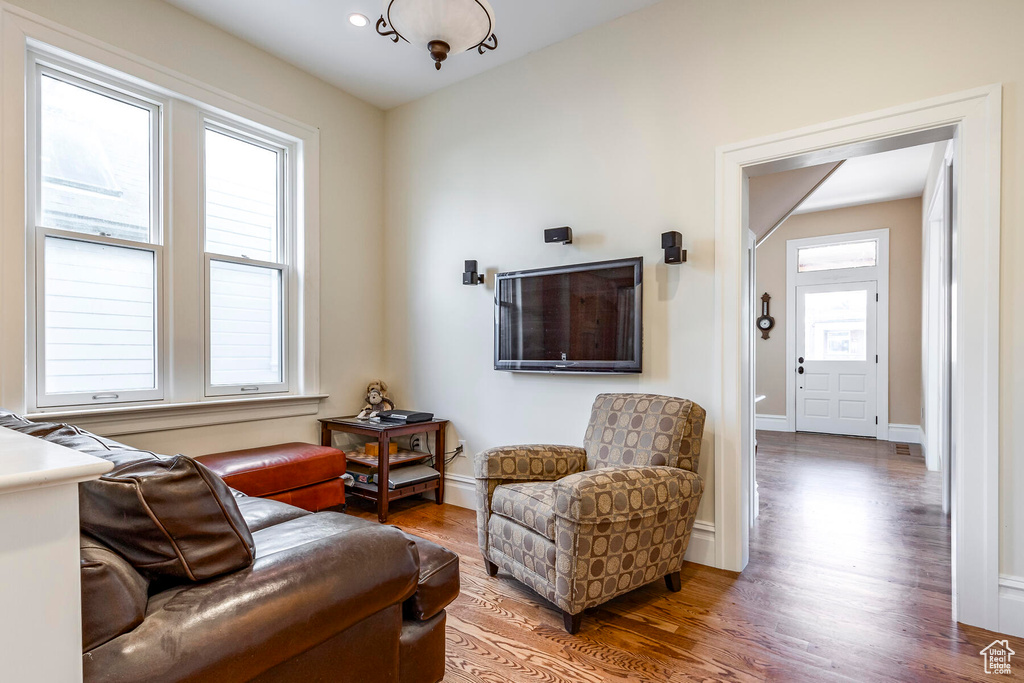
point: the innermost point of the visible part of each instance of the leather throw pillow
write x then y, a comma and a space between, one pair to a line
169, 517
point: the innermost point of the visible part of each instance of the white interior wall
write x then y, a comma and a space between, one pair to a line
620, 144
931, 410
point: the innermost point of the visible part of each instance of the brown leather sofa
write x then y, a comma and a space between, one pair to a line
185, 579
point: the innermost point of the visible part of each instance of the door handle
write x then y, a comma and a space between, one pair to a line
800, 370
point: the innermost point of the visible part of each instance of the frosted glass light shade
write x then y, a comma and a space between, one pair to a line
462, 24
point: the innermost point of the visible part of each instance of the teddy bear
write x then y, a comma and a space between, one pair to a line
376, 400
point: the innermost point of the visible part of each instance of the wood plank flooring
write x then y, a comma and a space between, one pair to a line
849, 579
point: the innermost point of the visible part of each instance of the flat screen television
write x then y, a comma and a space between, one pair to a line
581, 318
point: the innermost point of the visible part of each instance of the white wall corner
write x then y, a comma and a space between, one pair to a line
1011, 605
772, 423
460, 490
906, 434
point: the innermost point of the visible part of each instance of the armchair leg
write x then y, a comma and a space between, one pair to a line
492, 569
572, 622
674, 581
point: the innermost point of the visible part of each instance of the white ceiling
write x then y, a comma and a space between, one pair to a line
882, 177
315, 36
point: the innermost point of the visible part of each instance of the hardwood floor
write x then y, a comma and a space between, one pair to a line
849, 579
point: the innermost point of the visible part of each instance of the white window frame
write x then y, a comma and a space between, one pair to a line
184, 403
42, 65
287, 230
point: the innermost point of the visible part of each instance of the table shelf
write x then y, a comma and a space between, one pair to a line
399, 458
383, 432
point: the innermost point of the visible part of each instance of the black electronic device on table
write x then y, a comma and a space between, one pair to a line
407, 416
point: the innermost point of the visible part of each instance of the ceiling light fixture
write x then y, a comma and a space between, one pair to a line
444, 27
358, 20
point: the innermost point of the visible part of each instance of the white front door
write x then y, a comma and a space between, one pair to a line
837, 366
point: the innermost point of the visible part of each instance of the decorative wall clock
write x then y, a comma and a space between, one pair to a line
765, 323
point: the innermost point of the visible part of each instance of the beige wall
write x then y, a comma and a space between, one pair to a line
903, 218
614, 133
351, 204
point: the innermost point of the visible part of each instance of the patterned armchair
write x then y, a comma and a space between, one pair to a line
581, 526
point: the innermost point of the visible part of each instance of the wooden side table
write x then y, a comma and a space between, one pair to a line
384, 431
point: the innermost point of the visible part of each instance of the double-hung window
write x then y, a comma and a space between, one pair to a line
246, 271
97, 241
164, 238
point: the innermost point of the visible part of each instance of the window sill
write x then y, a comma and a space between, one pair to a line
157, 418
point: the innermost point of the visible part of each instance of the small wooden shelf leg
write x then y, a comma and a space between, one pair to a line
439, 464
383, 461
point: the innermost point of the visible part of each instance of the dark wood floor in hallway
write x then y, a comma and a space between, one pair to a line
849, 579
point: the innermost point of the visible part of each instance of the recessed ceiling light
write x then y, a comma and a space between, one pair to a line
358, 20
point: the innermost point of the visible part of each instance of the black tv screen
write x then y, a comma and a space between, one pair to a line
581, 318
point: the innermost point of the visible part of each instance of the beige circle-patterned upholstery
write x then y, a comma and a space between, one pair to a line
579, 526
636, 430
530, 504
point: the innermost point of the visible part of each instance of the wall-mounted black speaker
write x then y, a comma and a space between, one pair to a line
470, 276
672, 243
556, 235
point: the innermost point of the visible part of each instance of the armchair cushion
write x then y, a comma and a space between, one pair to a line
618, 494
512, 464
640, 430
532, 504
530, 463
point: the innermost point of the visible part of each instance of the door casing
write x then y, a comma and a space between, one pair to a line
974, 117
880, 274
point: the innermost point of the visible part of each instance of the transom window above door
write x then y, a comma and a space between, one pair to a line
836, 256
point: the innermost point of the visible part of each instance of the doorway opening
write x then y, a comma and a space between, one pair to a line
973, 119
861, 510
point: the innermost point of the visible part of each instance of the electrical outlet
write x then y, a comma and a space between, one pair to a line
462, 446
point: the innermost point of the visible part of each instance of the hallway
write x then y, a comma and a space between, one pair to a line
855, 532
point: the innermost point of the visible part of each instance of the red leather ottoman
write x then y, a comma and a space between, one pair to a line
299, 474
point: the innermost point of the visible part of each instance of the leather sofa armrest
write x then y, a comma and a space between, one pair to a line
242, 624
533, 462
615, 494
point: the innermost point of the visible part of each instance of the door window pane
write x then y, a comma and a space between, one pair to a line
99, 316
245, 324
241, 198
835, 325
835, 256
95, 162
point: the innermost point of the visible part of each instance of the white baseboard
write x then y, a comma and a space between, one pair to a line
460, 490
1011, 605
898, 433
772, 423
906, 434
702, 543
